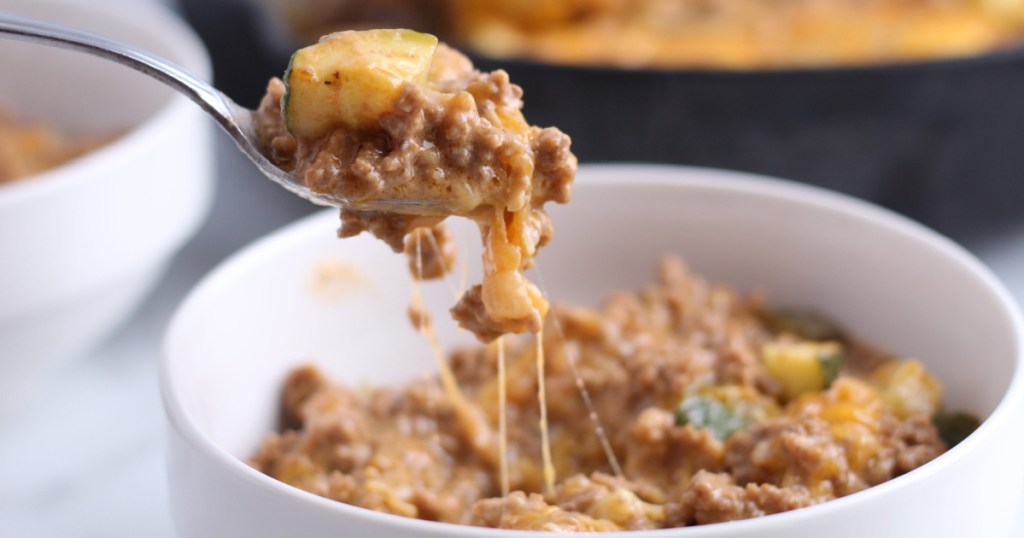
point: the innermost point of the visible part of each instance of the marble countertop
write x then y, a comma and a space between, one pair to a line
89, 463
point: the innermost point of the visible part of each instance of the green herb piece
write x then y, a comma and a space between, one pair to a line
955, 427
831, 360
708, 413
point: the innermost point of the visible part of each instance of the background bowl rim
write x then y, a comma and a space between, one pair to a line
686, 177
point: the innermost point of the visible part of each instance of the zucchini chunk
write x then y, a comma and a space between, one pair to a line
350, 79
803, 366
703, 412
954, 427
908, 388
724, 409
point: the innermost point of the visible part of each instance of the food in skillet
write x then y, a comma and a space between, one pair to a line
737, 34
393, 115
714, 34
716, 409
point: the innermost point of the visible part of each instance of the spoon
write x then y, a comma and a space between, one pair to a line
233, 118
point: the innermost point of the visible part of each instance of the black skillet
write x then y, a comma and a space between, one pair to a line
941, 141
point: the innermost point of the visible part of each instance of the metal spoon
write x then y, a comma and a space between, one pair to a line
233, 118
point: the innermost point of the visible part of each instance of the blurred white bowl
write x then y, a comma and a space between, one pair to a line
82, 243
883, 277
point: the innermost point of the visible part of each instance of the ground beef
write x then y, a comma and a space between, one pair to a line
666, 455
404, 450
391, 228
607, 498
531, 512
391, 451
471, 315
430, 251
300, 386
419, 316
809, 446
715, 498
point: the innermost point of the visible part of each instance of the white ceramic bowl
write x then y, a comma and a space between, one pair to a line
883, 277
82, 243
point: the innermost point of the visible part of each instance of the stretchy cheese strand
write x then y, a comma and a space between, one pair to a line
545, 441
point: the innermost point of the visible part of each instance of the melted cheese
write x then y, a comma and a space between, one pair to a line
470, 418
542, 402
502, 418
581, 386
508, 297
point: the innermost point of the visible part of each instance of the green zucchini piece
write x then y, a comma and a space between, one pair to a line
350, 79
705, 412
803, 367
954, 427
831, 360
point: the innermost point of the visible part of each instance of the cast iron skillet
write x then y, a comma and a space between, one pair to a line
941, 141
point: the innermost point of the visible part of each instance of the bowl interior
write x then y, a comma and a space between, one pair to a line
884, 278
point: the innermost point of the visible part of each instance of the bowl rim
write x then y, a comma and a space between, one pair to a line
189, 53
744, 183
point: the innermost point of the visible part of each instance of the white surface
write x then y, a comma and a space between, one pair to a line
229, 347
86, 458
83, 242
